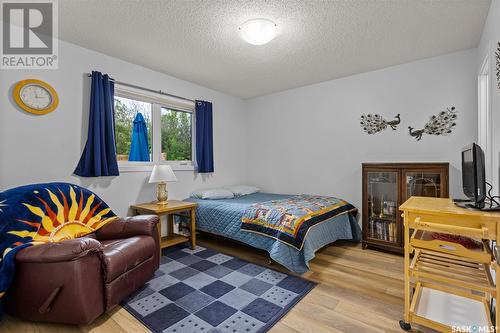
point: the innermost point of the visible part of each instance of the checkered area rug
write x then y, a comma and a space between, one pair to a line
203, 290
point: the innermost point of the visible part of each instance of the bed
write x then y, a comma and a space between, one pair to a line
224, 217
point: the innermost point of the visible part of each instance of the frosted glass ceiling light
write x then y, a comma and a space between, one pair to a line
258, 31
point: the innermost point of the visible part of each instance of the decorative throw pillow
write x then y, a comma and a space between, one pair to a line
215, 193
240, 190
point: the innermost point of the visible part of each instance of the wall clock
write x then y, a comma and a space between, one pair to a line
35, 96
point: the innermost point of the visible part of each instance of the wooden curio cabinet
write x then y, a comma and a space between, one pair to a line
385, 187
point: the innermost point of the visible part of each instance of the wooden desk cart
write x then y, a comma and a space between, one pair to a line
448, 286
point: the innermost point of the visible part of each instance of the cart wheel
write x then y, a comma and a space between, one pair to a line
404, 326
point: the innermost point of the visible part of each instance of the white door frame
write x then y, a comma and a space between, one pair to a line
484, 116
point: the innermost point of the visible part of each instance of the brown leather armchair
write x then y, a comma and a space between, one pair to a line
76, 281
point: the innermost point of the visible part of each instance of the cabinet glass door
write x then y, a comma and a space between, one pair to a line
382, 196
428, 183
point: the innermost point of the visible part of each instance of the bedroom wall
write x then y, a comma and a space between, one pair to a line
305, 140
47, 148
308, 140
487, 48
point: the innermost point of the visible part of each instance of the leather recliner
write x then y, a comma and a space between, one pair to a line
75, 281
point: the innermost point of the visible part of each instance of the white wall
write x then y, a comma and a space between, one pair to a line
309, 140
487, 48
491, 30
306, 140
47, 148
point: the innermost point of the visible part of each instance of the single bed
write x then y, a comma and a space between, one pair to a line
223, 217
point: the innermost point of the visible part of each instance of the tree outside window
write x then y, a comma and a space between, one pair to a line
175, 135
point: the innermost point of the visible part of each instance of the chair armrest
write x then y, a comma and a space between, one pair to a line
129, 227
68, 250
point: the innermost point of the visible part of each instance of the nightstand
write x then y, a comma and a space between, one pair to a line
170, 209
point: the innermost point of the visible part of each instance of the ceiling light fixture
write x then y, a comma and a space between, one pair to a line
258, 31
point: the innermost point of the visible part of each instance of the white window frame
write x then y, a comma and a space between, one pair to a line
158, 102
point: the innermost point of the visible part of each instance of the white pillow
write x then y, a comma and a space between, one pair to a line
214, 193
240, 190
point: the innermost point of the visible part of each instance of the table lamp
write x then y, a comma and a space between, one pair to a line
162, 174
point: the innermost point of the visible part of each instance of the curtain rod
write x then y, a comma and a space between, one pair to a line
149, 90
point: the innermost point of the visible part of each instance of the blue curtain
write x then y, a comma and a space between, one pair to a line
99, 155
139, 147
204, 137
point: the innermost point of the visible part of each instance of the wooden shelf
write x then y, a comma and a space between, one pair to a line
445, 310
386, 246
422, 239
383, 218
452, 271
173, 206
173, 240
389, 182
382, 241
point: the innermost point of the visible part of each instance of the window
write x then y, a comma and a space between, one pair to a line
169, 125
176, 130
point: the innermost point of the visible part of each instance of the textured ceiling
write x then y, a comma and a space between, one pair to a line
318, 40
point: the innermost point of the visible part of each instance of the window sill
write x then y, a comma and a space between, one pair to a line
125, 167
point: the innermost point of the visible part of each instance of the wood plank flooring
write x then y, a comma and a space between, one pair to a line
358, 291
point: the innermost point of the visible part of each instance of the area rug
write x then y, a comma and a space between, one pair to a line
203, 290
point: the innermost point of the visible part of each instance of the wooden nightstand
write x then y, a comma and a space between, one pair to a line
171, 208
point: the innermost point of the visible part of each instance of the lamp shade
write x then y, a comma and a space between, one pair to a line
258, 31
162, 173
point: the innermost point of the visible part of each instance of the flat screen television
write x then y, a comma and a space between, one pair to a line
473, 175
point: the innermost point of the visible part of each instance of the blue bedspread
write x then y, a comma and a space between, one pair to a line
223, 217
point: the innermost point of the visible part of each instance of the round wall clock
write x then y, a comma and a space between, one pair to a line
35, 96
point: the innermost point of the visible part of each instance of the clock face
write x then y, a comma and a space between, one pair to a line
36, 97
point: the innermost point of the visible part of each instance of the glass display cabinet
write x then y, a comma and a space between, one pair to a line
385, 187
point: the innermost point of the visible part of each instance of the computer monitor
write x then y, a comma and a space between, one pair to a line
473, 175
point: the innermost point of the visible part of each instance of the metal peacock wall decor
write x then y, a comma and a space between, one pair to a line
440, 124
497, 53
374, 123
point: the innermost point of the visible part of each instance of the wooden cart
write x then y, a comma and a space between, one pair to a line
449, 287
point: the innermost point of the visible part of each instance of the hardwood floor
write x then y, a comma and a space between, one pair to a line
358, 291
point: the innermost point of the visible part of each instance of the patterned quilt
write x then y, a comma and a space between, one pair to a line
45, 213
223, 217
289, 220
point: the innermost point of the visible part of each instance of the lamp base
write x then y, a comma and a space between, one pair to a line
162, 194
